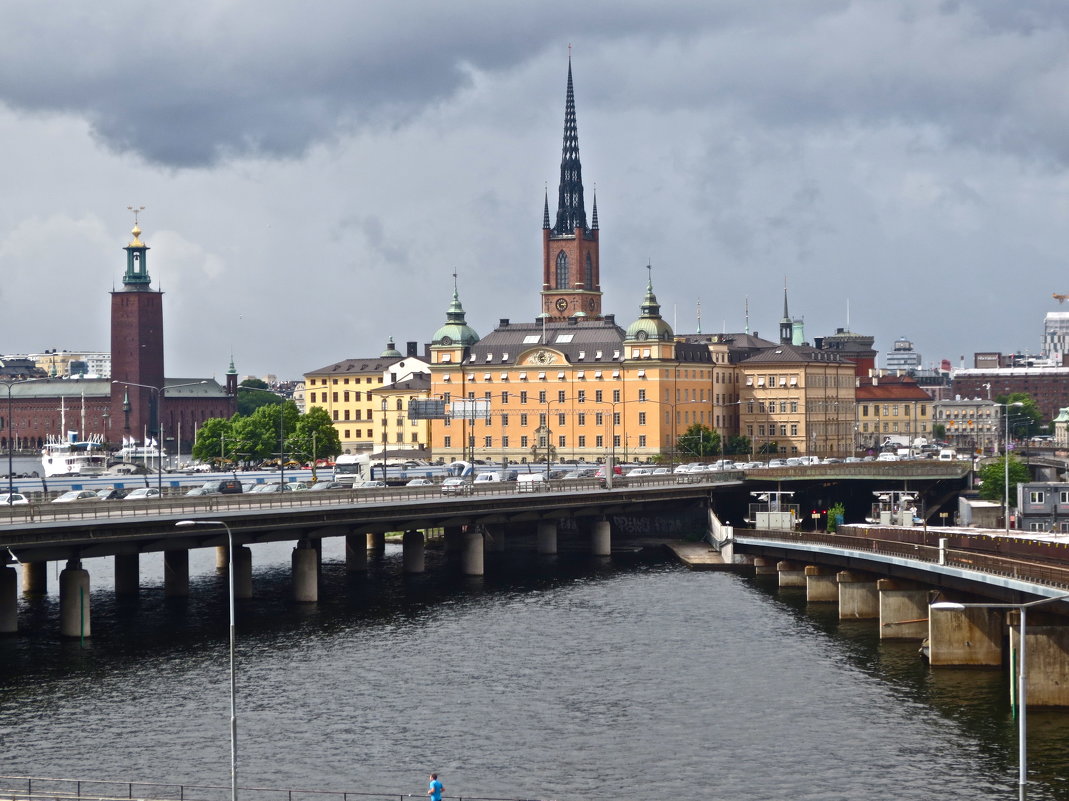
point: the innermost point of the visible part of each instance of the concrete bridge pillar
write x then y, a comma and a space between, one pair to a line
763, 566
473, 552
35, 578
453, 540
305, 568
791, 574
176, 573
601, 538
222, 558
356, 546
903, 610
970, 637
547, 537
495, 540
9, 600
376, 543
858, 597
74, 600
820, 585
127, 573
242, 571
412, 556
1047, 662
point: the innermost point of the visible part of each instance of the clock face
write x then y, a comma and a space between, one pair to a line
561, 304
447, 340
641, 335
590, 304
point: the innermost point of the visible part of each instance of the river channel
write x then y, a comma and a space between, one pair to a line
562, 677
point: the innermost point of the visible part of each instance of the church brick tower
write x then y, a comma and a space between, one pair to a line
136, 346
571, 272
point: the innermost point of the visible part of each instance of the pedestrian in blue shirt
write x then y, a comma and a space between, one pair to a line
435, 789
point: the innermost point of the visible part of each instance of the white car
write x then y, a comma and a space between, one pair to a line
887, 456
14, 499
456, 486
72, 496
420, 482
142, 493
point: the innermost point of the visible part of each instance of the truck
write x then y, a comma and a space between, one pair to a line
350, 468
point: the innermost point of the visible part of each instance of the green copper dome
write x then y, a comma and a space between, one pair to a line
650, 325
455, 331
391, 352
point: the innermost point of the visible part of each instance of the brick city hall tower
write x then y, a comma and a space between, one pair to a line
136, 346
571, 273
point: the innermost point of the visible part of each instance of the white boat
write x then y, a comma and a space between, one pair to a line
74, 456
147, 453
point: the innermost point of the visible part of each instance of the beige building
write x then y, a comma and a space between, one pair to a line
351, 391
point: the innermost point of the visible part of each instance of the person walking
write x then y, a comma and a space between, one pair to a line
434, 790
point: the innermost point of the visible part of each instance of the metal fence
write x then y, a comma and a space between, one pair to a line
39, 788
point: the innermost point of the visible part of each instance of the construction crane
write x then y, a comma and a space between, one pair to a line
1061, 298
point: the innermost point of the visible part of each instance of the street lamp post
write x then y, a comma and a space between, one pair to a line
233, 676
384, 442
1022, 678
9, 386
1006, 463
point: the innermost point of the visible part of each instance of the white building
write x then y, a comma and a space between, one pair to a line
1056, 336
903, 357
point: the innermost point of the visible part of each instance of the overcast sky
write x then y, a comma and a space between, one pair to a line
313, 173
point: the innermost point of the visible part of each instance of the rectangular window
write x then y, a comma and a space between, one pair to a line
525, 442
582, 418
599, 419
347, 433
488, 442
542, 396
761, 430
865, 410
504, 420
642, 395
783, 430
616, 441
523, 397
597, 395
616, 396
504, 398
334, 416
560, 420
794, 429
346, 416
335, 396
794, 407
599, 441
560, 396
642, 418
1063, 497
560, 442
616, 418
581, 396
1036, 497
504, 442
582, 442
448, 441
523, 420
642, 441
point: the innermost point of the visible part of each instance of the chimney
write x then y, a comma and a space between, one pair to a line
411, 349
503, 322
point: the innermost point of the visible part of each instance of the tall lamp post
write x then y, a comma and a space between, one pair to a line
233, 678
160, 392
9, 386
1022, 678
1006, 463
384, 442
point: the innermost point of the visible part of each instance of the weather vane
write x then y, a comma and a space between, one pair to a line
136, 211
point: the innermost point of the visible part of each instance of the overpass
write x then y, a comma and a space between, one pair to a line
582, 512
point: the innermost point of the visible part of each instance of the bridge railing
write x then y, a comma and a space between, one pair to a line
1002, 565
37, 788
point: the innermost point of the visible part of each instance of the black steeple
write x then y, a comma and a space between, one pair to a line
571, 210
594, 211
545, 212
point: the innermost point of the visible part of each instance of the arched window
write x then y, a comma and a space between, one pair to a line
588, 277
562, 270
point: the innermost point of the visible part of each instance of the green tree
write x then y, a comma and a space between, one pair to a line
250, 398
835, 514
992, 476
314, 431
214, 440
1024, 419
261, 433
699, 441
939, 431
737, 444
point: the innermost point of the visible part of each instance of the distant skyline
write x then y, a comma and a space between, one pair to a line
313, 175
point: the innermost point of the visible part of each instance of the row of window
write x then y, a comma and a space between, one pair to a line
1040, 496
892, 409
348, 397
345, 380
542, 441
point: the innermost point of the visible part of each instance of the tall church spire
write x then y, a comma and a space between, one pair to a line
571, 210
786, 325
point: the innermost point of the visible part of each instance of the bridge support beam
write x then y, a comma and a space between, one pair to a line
242, 572
176, 573
791, 574
376, 543
9, 600
74, 600
356, 546
1048, 663
412, 556
858, 597
35, 578
305, 566
601, 538
495, 540
763, 566
473, 552
127, 573
222, 559
820, 585
546, 537
903, 611
967, 637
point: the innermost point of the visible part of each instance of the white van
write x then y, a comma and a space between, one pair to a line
947, 455
495, 476
531, 482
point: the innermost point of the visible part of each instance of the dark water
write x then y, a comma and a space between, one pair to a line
564, 678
